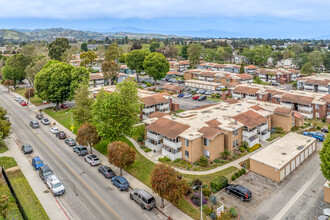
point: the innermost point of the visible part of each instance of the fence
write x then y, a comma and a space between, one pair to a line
19, 205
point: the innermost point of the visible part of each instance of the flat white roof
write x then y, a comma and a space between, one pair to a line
283, 150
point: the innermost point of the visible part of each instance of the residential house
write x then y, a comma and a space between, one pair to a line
317, 83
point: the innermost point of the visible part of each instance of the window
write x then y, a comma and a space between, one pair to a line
317, 114
278, 99
260, 96
235, 132
186, 154
206, 153
235, 143
186, 142
206, 142
317, 107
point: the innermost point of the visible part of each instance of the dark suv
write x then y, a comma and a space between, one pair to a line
44, 172
80, 150
39, 116
61, 135
240, 191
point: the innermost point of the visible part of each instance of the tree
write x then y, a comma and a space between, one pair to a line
122, 58
88, 58
110, 65
287, 54
184, 52
194, 54
297, 49
8, 82
315, 58
68, 55
326, 60
210, 55
84, 47
28, 51
300, 60
135, 59
241, 70
4, 204
167, 184
153, 46
113, 53
121, 155
307, 69
258, 55
225, 154
4, 124
325, 158
115, 114
82, 112
87, 135
15, 67
29, 93
100, 50
136, 45
57, 81
168, 52
156, 66
224, 53
57, 48
34, 67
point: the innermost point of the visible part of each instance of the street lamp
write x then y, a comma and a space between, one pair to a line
201, 187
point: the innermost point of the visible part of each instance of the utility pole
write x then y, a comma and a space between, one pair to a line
201, 187
71, 122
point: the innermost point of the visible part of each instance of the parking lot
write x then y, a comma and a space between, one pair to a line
189, 103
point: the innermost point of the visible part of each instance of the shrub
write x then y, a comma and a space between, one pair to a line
240, 172
177, 160
243, 171
147, 150
143, 147
233, 212
318, 127
279, 130
217, 95
234, 157
206, 210
219, 183
233, 177
237, 174
196, 182
245, 145
140, 139
255, 147
224, 89
196, 163
242, 149
148, 84
164, 159
196, 199
216, 161
206, 191
225, 154
203, 161
222, 161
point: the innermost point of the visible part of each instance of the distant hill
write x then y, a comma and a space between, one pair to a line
13, 35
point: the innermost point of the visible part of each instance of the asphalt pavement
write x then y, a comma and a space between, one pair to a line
88, 194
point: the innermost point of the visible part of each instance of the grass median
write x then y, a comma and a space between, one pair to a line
12, 211
7, 162
63, 117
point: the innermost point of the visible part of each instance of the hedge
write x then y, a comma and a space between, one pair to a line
219, 183
255, 147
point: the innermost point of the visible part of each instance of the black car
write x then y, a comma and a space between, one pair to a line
39, 116
241, 192
201, 98
27, 149
80, 150
70, 141
325, 130
180, 81
44, 172
107, 172
34, 124
61, 135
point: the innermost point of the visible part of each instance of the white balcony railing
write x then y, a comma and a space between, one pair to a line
210, 79
154, 136
305, 109
171, 144
252, 140
264, 136
249, 134
172, 156
153, 146
149, 110
263, 127
165, 106
237, 96
201, 78
251, 97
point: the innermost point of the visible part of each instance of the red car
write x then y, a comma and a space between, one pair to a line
23, 103
64, 106
195, 97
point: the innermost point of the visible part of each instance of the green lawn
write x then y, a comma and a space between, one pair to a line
138, 131
25, 194
63, 117
276, 135
13, 211
3, 148
317, 122
35, 100
7, 162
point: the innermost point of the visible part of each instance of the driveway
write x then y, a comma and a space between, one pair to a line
189, 103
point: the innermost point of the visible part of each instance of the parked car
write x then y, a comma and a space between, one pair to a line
45, 121
316, 135
92, 159
54, 130
195, 97
27, 148
187, 95
202, 98
61, 135
37, 163
325, 130
39, 116
201, 91
23, 103
44, 172
106, 171
120, 182
70, 141
180, 81
18, 99
80, 150
34, 124
64, 106
193, 89
55, 185
274, 84
143, 198
180, 95
220, 87
244, 194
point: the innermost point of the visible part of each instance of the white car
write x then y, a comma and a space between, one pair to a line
92, 159
18, 99
55, 185
45, 121
54, 130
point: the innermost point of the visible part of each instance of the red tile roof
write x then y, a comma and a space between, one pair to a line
167, 127
209, 132
245, 90
154, 100
251, 67
257, 107
298, 115
213, 123
245, 76
157, 115
297, 99
283, 111
250, 119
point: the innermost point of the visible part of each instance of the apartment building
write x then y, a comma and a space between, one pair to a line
317, 83
309, 104
209, 130
250, 69
179, 66
277, 75
231, 68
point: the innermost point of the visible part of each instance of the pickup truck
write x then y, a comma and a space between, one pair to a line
318, 136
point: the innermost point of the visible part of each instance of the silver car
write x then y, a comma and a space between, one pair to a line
143, 198
45, 121
92, 159
187, 95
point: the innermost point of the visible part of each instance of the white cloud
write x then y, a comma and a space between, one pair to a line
71, 9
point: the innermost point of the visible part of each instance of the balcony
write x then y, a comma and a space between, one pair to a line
171, 144
210, 79
305, 109
201, 78
237, 96
149, 110
263, 127
264, 136
156, 137
172, 154
249, 133
251, 140
153, 145
251, 97
162, 107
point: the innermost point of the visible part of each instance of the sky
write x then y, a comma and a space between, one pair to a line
241, 18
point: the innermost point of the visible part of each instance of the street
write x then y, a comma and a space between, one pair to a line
88, 194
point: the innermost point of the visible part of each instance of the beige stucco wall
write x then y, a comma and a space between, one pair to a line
265, 170
281, 121
216, 146
229, 139
195, 149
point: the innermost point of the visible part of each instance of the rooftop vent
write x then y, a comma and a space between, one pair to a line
308, 140
300, 147
283, 153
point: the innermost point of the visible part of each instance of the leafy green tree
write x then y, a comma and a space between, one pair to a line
156, 66
122, 58
4, 124
326, 60
57, 48
113, 53
57, 81
121, 155
241, 70
297, 49
69, 54
300, 60
29, 93
325, 158
184, 52
224, 53
307, 69
136, 45
287, 54
210, 55
88, 58
8, 82
84, 47
153, 46
34, 67
194, 54
87, 135
315, 58
258, 55
115, 114
29, 52
110, 66
135, 59
82, 112
15, 67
